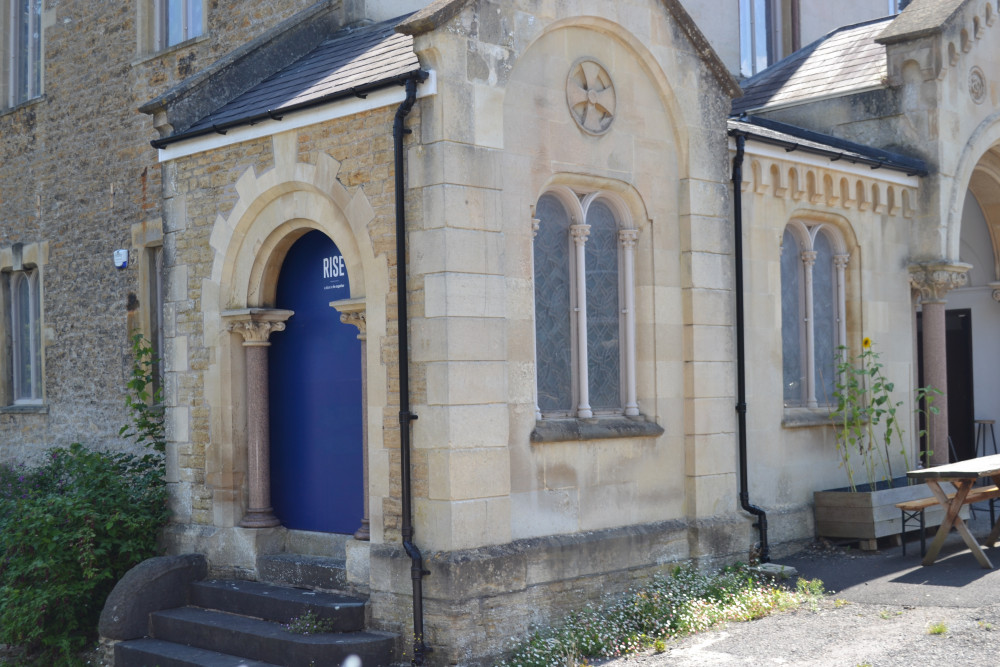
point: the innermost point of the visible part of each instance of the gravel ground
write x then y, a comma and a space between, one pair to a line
880, 611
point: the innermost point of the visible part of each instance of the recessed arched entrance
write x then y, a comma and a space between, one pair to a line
315, 395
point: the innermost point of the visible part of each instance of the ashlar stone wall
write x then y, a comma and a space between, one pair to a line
873, 212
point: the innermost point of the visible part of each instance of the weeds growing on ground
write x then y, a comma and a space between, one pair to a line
668, 607
937, 629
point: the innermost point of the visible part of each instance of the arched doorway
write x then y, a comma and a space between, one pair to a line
315, 395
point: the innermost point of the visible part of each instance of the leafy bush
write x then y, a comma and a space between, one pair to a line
69, 529
144, 398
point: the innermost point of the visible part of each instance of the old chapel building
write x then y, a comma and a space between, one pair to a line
482, 308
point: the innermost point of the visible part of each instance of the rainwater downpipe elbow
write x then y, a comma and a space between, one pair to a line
417, 571
763, 549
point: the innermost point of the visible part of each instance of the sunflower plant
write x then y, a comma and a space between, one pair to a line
867, 426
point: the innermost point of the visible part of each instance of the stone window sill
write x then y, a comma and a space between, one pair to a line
806, 417
598, 428
25, 409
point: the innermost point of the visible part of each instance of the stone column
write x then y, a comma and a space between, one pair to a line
255, 325
353, 312
934, 281
627, 238
809, 261
535, 225
580, 234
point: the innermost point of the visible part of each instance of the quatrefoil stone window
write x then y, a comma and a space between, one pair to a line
590, 95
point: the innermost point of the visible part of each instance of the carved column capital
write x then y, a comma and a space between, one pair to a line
256, 325
935, 279
352, 311
628, 237
579, 233
535, 225
809, 257
840, 261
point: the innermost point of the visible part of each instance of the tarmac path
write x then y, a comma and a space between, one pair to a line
880, 612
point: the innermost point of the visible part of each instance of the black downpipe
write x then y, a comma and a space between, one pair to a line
763, 549
417, 570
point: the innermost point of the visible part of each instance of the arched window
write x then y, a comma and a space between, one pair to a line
584, 305
813, 326
25, 337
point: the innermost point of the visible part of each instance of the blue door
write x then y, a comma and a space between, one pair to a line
315, 394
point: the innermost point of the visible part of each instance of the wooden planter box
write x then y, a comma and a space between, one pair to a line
867, 515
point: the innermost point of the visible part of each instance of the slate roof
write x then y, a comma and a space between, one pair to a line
350, 63
844, 61
793, 138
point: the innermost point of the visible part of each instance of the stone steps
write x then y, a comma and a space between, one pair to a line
315, 572
230, 623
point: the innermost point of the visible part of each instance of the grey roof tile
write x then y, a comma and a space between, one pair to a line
354, 59
846, 60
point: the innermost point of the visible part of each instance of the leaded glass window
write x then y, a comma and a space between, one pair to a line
179, 21
824, 316
553, 311
25, 340
603, 313
791, 319
813, 257
23, 54
584, 303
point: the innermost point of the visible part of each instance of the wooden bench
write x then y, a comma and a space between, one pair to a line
914, 510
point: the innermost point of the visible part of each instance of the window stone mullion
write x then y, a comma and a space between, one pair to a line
580, 234
808, 262
627, 238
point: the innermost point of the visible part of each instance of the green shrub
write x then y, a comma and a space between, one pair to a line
69, 529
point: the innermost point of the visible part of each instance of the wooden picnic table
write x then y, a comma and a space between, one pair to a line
962, 475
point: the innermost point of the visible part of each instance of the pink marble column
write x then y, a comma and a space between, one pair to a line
255, 325
934, 281
353, 312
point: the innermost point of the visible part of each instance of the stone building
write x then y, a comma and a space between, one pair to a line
447, 292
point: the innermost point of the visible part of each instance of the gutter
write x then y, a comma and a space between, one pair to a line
417, 571
762, 547
278, 114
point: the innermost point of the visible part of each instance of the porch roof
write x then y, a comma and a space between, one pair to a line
847, 60
350, 63
793, 138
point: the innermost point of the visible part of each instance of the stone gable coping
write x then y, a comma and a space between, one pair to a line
235, 73
440, 12
938, 43
920, 19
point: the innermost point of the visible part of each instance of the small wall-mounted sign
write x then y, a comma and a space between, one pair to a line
121, 259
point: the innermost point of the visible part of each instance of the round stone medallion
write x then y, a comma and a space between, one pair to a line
977, 85
590, 95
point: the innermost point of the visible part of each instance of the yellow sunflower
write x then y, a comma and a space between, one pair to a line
866, 342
